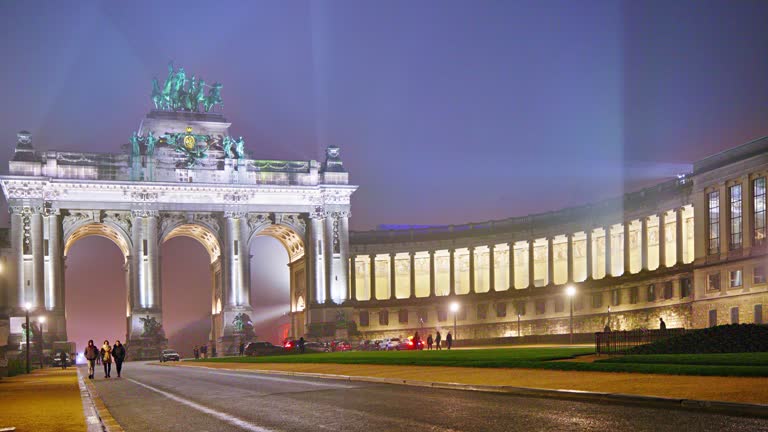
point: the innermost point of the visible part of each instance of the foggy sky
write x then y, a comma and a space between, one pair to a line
445, 111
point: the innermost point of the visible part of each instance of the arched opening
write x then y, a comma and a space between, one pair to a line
277, 254
187, 281
95, 284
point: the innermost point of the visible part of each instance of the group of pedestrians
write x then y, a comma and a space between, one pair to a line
200, 352
438, 340
106, 355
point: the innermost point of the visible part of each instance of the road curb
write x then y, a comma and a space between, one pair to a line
718, 407
106, 422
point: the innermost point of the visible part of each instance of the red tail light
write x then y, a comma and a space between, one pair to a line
287, 344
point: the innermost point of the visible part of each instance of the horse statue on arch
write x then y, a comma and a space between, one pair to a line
214, 97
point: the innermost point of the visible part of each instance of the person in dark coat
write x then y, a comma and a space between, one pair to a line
449, 340
429, 341
242, 348
301, 344
63, 359
118, 352
196, 352
91, 354
438, 339
662, 324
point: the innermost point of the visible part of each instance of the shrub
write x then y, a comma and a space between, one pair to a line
732, 338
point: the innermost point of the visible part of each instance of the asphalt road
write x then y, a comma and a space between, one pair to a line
154, 398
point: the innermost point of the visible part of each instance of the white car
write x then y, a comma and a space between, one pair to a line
389, 344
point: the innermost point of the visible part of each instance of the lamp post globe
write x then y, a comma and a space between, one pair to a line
455, 310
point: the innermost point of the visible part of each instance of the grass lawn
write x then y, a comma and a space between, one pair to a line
746, 364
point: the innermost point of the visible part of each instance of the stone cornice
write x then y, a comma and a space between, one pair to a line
105, 193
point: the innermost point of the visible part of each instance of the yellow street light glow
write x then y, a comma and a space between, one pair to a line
41, 319
454, 307
27, 306
570, 291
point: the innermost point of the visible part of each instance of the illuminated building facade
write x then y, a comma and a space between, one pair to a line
690, 250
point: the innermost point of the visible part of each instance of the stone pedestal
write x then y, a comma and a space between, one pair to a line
145, 348
145, 340
233, 333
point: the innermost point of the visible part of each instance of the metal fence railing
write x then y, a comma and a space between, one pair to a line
619, 342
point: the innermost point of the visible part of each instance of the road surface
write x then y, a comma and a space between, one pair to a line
154, 398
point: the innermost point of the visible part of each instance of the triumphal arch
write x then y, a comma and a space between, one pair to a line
182, 173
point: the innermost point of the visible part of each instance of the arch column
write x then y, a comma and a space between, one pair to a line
315, 251
491, 269
55, 264
471, 269
663, 239
143, 266
392, 277
38, 264
627, 254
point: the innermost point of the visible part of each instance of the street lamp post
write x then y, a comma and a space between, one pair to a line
570, 291
518, 325
455, 310
41, 320
27, 306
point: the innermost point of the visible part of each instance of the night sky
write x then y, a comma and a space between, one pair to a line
445, 111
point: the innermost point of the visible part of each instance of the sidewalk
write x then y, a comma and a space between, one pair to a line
45, 400
728, 389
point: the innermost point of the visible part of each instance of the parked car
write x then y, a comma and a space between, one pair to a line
389, 344
58, 358
368, 345
262, 348
340, 345
169, 355
315, 347
410, 344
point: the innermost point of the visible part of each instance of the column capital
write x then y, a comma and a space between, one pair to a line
144, 213
235, 214
431, 253
471, 248
318, 213
392, 255
411, 254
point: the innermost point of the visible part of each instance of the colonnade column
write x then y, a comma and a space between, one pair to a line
747, 214
550, 261
236, 261
644, 243
452, 266
352, 278
431, 273
491, 269
663, 240
471, 270
569, 258
372, 258
511, 246
608, 251
38, 263
135, 269
679, 234
412, 268
627, 255
725, 220
392, 277
531, 276
590, 268
316, 248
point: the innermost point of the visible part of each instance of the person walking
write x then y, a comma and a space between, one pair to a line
63, 359
242, 348
429, 341
91, 354
118, 352
301, 344
204, 351
106, 358
662, 324
449, 340
196, 352
438, 339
